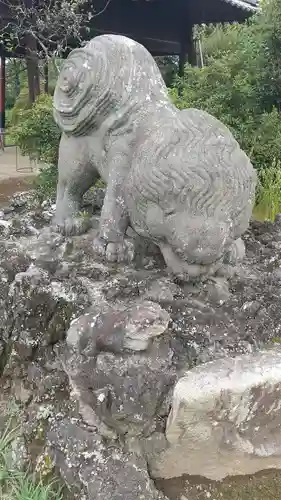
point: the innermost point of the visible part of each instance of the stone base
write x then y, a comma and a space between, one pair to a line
128, 338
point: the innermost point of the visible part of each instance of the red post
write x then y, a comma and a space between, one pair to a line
2, 99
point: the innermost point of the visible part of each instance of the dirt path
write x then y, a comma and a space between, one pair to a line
264, 485
17, 173
13, 185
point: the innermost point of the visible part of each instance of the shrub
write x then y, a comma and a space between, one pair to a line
240, 85
227, 89
46, 183
37, 134
259, 134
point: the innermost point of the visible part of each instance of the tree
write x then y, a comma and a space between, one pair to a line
271, 22
15, 79
241, 82
44, 28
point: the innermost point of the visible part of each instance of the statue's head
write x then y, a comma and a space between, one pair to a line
109, 75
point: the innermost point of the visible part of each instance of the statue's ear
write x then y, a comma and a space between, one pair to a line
155, 221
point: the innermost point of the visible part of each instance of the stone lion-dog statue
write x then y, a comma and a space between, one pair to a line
178, 178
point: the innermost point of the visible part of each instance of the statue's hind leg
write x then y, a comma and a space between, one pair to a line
75, 176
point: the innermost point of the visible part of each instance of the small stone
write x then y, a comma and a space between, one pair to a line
21, 393
145, 321
8, 210
162, 291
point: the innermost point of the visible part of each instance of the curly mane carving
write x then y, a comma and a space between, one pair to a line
100, 79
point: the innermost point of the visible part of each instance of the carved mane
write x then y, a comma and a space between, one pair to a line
110, 75
211, 177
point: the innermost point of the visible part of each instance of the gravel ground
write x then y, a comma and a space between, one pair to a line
8, 187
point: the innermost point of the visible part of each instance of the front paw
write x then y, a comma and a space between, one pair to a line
122, 251
72, 226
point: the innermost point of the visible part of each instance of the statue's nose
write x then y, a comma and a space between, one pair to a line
65, 85
69, 80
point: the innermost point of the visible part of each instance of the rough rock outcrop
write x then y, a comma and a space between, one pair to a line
118, 339
95, 471
119, 369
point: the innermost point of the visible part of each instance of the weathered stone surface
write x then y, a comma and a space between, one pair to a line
124, 395
125, 390
176, 177
39, 309
225, 419
92, 471
36, 308
163, 291
118, 330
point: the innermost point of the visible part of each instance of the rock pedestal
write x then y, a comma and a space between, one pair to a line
113, 367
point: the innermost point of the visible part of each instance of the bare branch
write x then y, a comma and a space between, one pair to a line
52, 23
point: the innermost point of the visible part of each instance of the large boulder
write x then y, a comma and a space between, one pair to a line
225, 419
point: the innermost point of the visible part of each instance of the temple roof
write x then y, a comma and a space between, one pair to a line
159, 24
250, 5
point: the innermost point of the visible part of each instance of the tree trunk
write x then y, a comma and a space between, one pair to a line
46, 77
2, 101
17, 76
32, 66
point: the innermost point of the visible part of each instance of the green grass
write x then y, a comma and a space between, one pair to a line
16, 484
268, 203
27, 488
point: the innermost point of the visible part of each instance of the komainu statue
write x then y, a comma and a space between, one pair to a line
176, 177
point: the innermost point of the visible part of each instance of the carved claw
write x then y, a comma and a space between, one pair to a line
236, 252
99, 246
114, 251
72, 226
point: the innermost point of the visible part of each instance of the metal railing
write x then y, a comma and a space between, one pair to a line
22, 163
